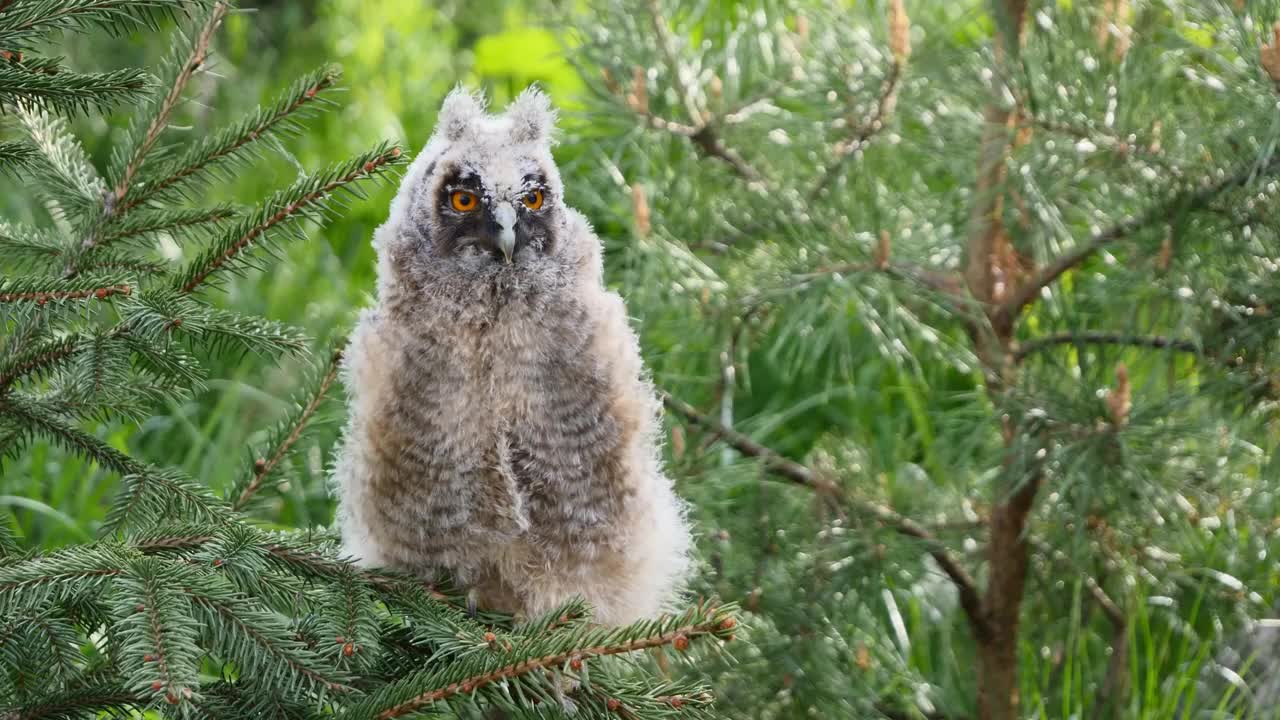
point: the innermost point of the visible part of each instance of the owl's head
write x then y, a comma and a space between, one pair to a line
489, 194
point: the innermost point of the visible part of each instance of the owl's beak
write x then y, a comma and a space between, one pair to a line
505, 215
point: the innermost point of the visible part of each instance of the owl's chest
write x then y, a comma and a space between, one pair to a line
519, 415
511, 377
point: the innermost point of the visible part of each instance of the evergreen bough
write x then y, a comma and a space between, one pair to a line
185, 606
968, 312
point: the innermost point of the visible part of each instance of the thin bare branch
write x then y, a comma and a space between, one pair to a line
800, 474
709, 141
864, 131
1102, 338
1109, 607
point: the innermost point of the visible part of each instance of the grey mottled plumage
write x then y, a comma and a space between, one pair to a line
501, 424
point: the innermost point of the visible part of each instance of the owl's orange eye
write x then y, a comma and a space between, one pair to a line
532, 199
463, 201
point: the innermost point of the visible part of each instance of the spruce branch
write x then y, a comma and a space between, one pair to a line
1038, 344
41, 359
153, 494
109, 261
260, 643
158, 314
296, 424
42, 291
69, 92
44, 640
28, 247
64, 169
803, 475
35, 419
299, 557
23, 22
308, 198
156, 632
16, 155
86, 701
228, 145
156, 221
700, 622
46, 579
189, 63
1186, 201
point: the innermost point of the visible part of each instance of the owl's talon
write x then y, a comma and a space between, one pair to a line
471, 603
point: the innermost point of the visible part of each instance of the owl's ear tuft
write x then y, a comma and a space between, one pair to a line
460, 110
532, 117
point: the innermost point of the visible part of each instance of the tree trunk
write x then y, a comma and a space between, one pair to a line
998, 677
998, 654
989, 276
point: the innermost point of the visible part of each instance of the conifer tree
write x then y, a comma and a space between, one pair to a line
966, 312
185, 606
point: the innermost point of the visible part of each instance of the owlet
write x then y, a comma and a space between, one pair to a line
501, 427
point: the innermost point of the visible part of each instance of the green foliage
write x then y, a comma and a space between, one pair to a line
185, 605
793, 207
766, 303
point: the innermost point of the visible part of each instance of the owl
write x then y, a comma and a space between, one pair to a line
502, 428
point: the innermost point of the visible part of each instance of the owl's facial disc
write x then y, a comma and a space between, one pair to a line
499, 222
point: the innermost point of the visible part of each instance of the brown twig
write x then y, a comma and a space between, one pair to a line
159, 654
712, 145
42, 297
716, 627
1102, 338
285, 213
806, 476
263, 467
